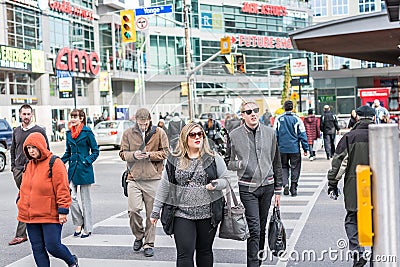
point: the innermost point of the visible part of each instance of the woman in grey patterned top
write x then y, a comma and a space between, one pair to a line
196, 175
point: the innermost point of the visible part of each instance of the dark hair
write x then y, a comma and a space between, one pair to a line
80, 113
288, 105
25, 106
310, 111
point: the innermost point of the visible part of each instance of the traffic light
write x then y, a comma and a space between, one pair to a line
128, 26
229, 66
241, 63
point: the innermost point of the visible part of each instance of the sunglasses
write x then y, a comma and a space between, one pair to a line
198, 134
249, 111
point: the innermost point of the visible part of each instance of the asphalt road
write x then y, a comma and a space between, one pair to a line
313, 223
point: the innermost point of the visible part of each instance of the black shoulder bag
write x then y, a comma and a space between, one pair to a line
124, 177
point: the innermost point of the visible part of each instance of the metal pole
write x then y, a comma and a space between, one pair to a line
138, 60
384, 161
300, 108
111, 112
186, 10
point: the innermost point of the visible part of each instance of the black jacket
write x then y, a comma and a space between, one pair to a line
354, 147
329, 123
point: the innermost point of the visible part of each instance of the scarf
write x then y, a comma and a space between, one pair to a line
75, 131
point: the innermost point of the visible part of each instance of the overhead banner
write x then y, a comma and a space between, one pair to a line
259, 41
104, 83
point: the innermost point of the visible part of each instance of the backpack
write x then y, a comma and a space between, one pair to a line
51, 163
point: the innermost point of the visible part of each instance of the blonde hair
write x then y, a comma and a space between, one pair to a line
244, 103
182, 147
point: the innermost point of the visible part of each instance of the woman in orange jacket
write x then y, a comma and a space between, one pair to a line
44, 201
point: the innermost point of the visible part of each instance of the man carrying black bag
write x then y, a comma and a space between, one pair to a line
144, 148
255, 156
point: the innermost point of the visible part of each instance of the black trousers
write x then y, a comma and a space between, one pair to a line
292, 161
329, 144
257, 205
191, 236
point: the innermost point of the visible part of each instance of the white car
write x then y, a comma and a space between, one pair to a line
109, 133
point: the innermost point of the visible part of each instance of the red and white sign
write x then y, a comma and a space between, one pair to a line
78, 59
141, 23
264, 9
262, 41
374, 92
298, 67
65, 7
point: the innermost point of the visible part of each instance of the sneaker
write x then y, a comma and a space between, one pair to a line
76, 262
137, 245
311, 158
286, 190
148, 252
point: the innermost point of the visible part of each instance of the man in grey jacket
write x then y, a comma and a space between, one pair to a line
255, 156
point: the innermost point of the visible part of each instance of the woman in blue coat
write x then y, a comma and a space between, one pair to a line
81, 151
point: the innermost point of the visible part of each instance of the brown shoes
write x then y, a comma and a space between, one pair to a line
17, 240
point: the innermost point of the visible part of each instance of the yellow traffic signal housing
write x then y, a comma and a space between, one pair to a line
241, 63
128, 26
364, 212
229, 61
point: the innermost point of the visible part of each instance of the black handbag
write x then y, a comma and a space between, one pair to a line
276, 233
124, 182
233, 225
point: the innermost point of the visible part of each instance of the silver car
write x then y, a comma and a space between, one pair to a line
109, 133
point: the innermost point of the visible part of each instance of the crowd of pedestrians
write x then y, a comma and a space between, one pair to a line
178, 157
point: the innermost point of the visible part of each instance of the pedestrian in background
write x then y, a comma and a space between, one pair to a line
144, 147
353, 148
80, 153
44, 201
266, 117
175, 126
198, 175
291, 132
18, 158
161, 124
353, 119
381, 113
254, 154
312, 130
329, 126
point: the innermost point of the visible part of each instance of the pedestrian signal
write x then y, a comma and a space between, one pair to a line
241, 63
128, 26
229, 66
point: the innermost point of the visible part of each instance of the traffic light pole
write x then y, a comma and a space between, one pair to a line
189, 74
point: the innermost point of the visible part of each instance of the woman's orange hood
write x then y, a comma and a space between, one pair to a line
37, 140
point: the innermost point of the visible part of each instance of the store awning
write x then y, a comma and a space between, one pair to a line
370, 37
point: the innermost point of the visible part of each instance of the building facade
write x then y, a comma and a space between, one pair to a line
58, 55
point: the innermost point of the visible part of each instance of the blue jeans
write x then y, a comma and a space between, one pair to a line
47, 237
256, 206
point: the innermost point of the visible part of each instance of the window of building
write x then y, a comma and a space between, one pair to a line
59, 33
88, 4
23, 26
53, 86
81, 87
319, 7
340, 7
21, 84
366, 6
318, 61
340, 63
3, 83
383, 5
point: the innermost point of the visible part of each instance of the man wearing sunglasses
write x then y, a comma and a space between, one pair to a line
290, 130
254, 154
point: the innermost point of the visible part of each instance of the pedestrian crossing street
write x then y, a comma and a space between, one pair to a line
111, 242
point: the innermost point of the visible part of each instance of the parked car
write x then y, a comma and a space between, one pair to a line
5, 134
109, 133
3, 159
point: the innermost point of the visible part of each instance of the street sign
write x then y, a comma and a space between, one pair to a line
153, 10
225, 44
327, 98
142, 23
